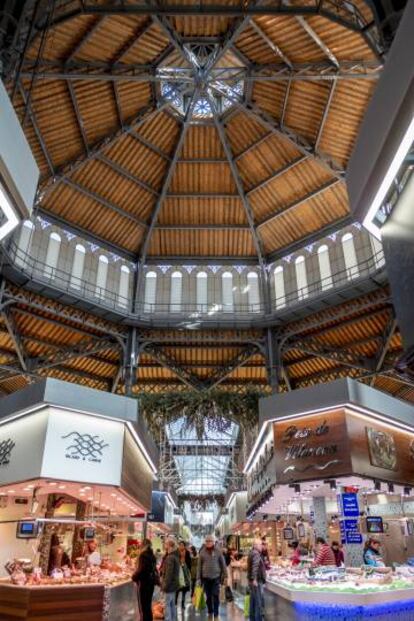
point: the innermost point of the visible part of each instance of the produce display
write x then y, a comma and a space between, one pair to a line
107, 574
341, 580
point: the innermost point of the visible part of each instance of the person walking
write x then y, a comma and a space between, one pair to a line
170, 579
185, 564
193, 570
256, 577
210, 571
146, 578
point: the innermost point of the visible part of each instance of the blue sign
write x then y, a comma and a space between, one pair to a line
351, 524
311, 516
342, 531
349, 505
352, 536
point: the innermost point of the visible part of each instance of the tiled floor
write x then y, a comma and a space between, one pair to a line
228, 612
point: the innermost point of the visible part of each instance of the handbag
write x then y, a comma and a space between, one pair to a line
199, 598
246, 607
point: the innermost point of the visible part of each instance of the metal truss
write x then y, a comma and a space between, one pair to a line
384, 346
238, 361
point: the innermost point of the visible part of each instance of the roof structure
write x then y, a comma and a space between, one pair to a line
192, 130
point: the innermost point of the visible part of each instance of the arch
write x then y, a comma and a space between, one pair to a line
176, 291
52, 255
280, 295
378, 253
150, 292
123, 288
101, 276
350, 258
227, 292
77, 267
325, 267
253, 295
202, 292
25, 240
301, 277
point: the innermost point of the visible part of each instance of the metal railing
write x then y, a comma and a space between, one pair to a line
191, 312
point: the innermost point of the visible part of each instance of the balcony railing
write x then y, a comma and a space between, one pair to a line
192, 313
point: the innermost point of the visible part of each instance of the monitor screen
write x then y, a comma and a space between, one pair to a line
27, 530
410, 527
375, 525
89, 533
288, 534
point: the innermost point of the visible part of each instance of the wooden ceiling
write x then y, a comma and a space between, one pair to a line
105, 146
358, 339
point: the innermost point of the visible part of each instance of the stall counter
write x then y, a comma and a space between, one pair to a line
300, 601
68, 602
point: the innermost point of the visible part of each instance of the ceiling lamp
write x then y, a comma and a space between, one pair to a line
19, 173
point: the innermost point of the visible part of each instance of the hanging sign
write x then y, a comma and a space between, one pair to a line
348, 504
352, 536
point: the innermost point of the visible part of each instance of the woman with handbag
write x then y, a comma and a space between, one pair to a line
185, 573
146, 578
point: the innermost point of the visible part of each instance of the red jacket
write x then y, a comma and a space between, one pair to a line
325, 556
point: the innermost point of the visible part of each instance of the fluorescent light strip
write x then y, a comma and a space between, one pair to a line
389, 177
11, 218
355, 409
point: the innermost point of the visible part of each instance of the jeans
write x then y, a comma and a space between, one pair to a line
145, 593
212, 591
256, 603
183, 592
170, 607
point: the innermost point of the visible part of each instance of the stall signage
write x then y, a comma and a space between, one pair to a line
348, 505
342, 531
351, 524
352, 536
86, 447
302, 449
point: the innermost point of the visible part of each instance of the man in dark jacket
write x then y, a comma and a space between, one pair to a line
210, 571
146, 577
170, 579
256, 576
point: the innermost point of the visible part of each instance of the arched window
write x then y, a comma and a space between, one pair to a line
301, 277
52, 255
227, 292
351, 263
150, 291
101, 276
201, 293
377, 251
325, 267
77, 267
176, 292
280, 296
123, 289
253, 292
25, 241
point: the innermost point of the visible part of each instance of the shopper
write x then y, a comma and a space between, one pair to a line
146, 578
193, 570
256, 576
210, 571
338, 553
265, 553
170, 579
372, 554
295, 558
185, 564
324, 553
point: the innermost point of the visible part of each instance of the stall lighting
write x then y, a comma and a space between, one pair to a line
377, 486
407, 490
391, 488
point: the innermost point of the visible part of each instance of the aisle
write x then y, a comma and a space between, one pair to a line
228, 612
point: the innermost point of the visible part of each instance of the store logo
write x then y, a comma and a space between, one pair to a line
85, 447
6, 447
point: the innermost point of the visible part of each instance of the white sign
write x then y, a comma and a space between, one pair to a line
21, 448
83, 448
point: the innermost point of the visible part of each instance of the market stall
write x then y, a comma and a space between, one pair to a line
343, 470
67, 515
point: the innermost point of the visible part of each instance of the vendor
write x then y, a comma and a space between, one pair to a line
295, 558
372, 554
339, 555
93, 556
57, 557
324, 554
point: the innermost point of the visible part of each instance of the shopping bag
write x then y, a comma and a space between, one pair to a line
199, 598
222, 594
247, 606
229, 595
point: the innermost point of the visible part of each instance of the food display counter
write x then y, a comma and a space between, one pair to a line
330, 593
69, 602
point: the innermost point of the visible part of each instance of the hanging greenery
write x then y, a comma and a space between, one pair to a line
201, 502
203, 411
